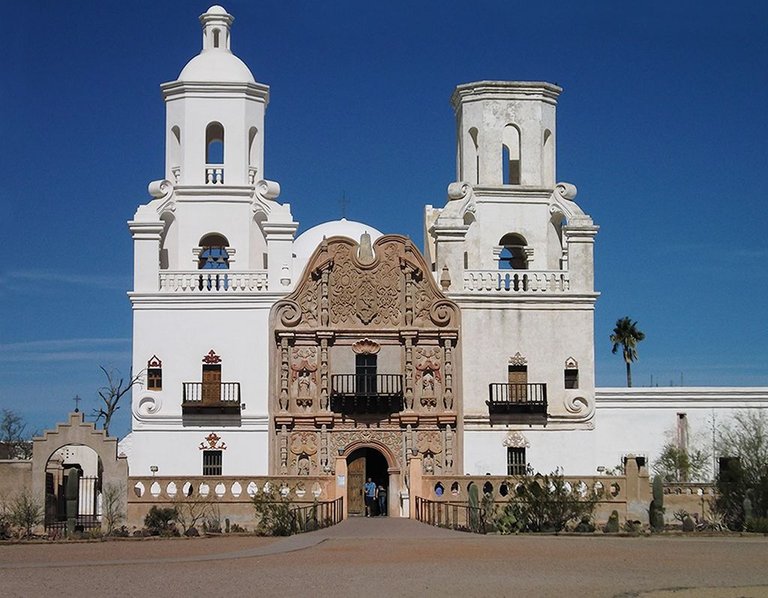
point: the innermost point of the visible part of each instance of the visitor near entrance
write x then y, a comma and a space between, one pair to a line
381, 497
370, 497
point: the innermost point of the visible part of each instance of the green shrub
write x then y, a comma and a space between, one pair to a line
758, 525
543, 503
612, 526
273, 512
161, 521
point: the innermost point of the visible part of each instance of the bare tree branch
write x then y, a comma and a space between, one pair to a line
111, 393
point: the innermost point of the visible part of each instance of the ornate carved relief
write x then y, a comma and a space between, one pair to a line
391, 290
571, 364
304, 375
429, 379
366, 347
303, 447
391, 439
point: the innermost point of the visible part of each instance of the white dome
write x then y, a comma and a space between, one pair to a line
306, 243
218, 66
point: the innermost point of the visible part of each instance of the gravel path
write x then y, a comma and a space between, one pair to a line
393, 557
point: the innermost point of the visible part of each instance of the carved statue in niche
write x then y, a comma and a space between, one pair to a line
302, 464
303, 447
430, 464
428, 376
304, 375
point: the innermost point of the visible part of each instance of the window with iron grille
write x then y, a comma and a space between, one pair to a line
154, 378
212, 462
516, 462
571, 377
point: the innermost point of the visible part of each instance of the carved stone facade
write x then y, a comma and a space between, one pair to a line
365, 354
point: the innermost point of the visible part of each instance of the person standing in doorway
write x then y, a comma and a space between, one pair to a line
370, 497
381, 497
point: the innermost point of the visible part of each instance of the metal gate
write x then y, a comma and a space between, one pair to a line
88, 500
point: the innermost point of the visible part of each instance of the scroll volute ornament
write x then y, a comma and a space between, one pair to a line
366, 347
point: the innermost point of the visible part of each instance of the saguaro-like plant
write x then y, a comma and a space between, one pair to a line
656, 510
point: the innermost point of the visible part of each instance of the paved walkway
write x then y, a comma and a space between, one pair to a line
388, 557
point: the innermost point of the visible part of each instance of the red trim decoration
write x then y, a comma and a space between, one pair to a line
211, 358
213, 443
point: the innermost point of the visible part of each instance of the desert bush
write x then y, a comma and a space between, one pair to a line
543, 503
112, 500
24, 513
160, 521
273, 513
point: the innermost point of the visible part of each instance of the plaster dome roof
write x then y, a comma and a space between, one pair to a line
307, 242
216, 10
220, 66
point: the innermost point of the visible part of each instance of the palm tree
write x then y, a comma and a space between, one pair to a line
627, 335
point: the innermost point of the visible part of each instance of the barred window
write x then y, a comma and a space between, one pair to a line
516, 462
571, 378
155, 379
212, 462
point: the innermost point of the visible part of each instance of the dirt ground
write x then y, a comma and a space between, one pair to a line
393, 557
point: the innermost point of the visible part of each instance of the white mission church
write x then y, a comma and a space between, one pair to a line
476, 354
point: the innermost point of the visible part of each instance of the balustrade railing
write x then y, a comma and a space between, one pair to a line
361, 393
211, 394
316, 516
214, 175
517, 398
516, 281
451, 515
213, 281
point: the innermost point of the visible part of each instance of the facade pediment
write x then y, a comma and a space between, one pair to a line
345, 287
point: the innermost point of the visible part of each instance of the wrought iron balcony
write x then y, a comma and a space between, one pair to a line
210, 397
354, 393
517, 398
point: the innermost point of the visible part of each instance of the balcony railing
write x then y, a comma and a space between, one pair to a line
210, 397
516, 281
517, 398
214, 175
213, 281
379, 393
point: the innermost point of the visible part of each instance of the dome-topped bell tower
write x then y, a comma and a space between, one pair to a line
214, 100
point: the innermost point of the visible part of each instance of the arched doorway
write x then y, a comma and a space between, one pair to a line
73, 485
364, 463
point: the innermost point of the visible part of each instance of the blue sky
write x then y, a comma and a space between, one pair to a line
662, 127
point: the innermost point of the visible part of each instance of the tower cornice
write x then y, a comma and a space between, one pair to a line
190, 89
505, 90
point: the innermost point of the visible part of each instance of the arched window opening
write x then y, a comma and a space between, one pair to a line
214, 144
175, 153
215, 38
214, 254
253, 151
476, 157
548, 169
513, 254
510, 155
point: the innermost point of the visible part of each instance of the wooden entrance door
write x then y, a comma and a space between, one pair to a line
518, 383
355, 483
211, 384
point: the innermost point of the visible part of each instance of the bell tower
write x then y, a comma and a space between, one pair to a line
515, 251
215, 114
506, 133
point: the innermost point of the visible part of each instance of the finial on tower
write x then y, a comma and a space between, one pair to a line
216, 23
